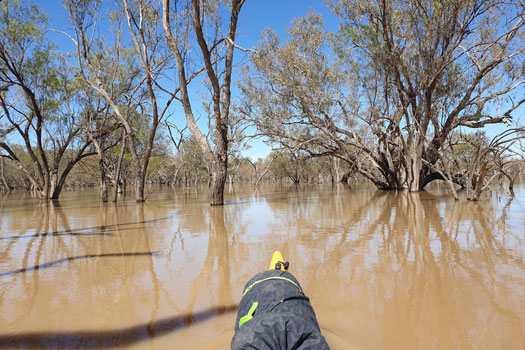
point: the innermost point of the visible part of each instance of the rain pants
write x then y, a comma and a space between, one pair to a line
274, 314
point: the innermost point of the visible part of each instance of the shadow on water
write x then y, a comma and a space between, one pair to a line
104, 230
110, 338
60, 233
71, 258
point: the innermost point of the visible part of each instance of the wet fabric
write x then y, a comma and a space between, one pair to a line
277, 315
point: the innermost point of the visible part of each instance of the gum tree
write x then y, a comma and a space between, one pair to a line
186, 22
386, 92
37, 89
428, 68
128, 77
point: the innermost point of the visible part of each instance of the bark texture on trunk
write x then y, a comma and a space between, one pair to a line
218, 180
345, 176
2, 171
139, 186
103, 182
119, 167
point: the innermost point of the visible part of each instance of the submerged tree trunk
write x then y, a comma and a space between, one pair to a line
218, 180
2, 172
140, 178
57, 187
335, 172
346, 176
119, 167
103, 181
219, 172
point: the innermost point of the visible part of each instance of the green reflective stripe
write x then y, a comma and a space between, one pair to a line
272, 278
249, 315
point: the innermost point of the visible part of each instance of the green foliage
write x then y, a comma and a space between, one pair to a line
22, 26
465, 147
191, 156
389, 87
21, 23
296, 85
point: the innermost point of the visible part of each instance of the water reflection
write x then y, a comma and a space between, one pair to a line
71, 258
383, 269
409, 269
217, 253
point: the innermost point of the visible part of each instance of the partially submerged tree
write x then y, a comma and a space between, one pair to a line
429, 68
129, 78
201, 21
294, 97
291, 165
404, 75
474, 161
100, 128
38, 88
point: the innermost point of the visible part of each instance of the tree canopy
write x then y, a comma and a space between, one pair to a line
401, 94
386, 91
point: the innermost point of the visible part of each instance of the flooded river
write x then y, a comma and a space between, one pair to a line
383, 270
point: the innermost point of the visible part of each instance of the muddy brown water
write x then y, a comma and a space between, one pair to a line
383, 270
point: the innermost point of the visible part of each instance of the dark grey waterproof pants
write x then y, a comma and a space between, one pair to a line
274, 314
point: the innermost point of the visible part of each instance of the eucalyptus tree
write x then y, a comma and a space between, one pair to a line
38, 88
401, 77
191, 161
130, 76
200, 21
2, 175
474, 161
297, 93
101, 129
261, 167
292, 166
428, 68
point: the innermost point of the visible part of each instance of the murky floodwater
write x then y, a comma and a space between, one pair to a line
383, 270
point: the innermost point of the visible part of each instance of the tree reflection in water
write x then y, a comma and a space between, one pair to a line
384, 270
409, 270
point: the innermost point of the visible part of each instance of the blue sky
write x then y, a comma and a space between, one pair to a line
255, 17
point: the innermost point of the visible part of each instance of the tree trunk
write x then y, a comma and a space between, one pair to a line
414, 164
103, 182
4, 181
336, 169
140, 178
53, 183
346, 176
139, 173
59, 185
119, 167
175, 175
478, 186
100, 154
511, 185
218, 179
413, 177
221, 95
